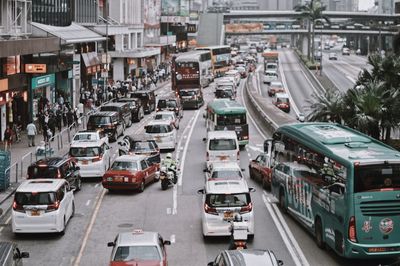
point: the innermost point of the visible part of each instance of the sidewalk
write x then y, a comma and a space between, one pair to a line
22, 155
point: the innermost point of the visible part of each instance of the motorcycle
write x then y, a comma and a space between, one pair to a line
167, 176
239, 235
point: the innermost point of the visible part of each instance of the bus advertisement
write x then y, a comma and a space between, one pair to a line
341, 185
226, 114
221, 58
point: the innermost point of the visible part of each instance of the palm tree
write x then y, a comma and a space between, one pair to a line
325, 108
312, 11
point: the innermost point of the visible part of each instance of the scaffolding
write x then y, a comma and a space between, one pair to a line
15, 18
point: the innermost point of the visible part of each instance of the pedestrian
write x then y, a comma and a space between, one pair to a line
8, 138
70, 117
45, 131
52, 125
31, 130
59, 117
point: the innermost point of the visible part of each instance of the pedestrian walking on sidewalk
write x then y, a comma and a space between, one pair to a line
31, 128
8, 138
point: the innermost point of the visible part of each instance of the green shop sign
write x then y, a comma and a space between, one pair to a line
43, 81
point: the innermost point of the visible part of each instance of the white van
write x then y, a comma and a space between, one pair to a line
222, 199
222, 146
42, 206
93, 157
269, 76
163, 132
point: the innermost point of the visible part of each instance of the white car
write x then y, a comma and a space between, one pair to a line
234, 73
345, 51
42, 206
163, 132
89, 135
224, 171
93, 157
269, 76
222, 199
221, 146
168, 116
332, 56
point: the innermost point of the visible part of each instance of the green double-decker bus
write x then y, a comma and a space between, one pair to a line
340, 184
225, 114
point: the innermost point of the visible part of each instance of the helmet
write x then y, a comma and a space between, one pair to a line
169, 156
237, 218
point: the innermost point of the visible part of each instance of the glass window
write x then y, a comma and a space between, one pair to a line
99, 120
144, 146
227, 174
120, 165
228, 200
138, 253
377, 178
143, 164
35, 198
42, 172
155, 129
222, 144
85, 151
231, 119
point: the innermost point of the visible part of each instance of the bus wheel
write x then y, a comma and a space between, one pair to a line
318, 234
282, 201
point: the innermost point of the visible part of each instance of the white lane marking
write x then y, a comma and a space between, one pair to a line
88, 202
285, 85
173, 239
186, 147
169, 211
89, 228
281, 231
248, 154
96, 185
175, 200
255, 149
351, 79
7, 221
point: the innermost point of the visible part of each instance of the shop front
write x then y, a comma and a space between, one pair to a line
90, 69
42, 92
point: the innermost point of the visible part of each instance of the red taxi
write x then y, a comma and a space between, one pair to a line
130, 172
260, 169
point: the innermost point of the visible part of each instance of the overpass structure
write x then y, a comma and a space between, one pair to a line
367, 31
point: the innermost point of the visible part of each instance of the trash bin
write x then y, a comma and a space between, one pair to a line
5, 162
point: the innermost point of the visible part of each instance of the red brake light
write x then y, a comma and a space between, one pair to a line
53, 207
18, 208
246, 208
97, 158
58, 173
210, 210
352, 229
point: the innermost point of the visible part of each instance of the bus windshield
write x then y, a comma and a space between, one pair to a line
231, 119
377, 178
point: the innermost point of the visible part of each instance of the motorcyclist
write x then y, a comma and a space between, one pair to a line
236, 224
170, 164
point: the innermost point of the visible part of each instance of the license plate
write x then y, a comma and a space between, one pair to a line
35, 213
85, 162
109, 179
228, 216
118, 179
222, 158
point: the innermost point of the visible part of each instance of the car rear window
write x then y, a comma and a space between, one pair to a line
85, 151
99, 120
120, 165
227, 174
163, 116
188, 93
35, 198
137, 253
222, 144
42, 172
144, 146
154, 129
109, 108
228, 200
282, 100
85, 136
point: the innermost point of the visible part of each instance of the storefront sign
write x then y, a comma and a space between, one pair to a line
35, 68
43, 81
76, 68
3, 84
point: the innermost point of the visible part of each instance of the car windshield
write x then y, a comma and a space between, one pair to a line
166, 104
232, 119
227, 174
143, 146
222, 144
109, 108
99, 120
42, 172
163, 117
377, 178
123, 165
154, 129
282, 100
187, 93
85, 136
276, 84
84, 151
138, 253
223, 93
35, 198
228, 200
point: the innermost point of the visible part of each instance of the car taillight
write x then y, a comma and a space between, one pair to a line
245, 137
246, 208
109, 126
53, 207
210, 210
352, 229
207, 156
17, 207
97, 158
58, 173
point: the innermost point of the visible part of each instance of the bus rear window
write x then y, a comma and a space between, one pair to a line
222, 144
377, 178
225, 120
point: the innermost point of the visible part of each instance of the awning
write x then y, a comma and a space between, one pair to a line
135, 53
73, 33
91, 59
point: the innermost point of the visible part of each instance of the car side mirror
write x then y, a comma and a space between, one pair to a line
252, 189
25, 255
201, 191
110, 244
204, 139
167, 242
211, 264
205, 170
242, 169
77, 168
280, 262
120, 142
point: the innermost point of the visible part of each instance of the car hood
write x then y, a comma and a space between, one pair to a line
136, 263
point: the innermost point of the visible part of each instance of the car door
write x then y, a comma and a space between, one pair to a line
145, 171
152, 169
106, 155
69, 199
265, 168
255, 165
68, 172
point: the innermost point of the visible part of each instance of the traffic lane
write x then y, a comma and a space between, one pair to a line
332, 69
300, 87
125, 211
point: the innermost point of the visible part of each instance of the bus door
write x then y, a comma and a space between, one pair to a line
211, 120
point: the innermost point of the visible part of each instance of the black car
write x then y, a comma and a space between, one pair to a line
56, 167
123, 110
170, 104
135, 104
246, 257
107, 121
148, 98
10, 255
191, 98
141, 145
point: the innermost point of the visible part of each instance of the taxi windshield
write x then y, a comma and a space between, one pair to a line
121, 165
139, 253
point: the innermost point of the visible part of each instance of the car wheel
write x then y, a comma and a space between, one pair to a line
318, 234
65, 225
282, 201
141, 188
251, 173
73, 209
115, 136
